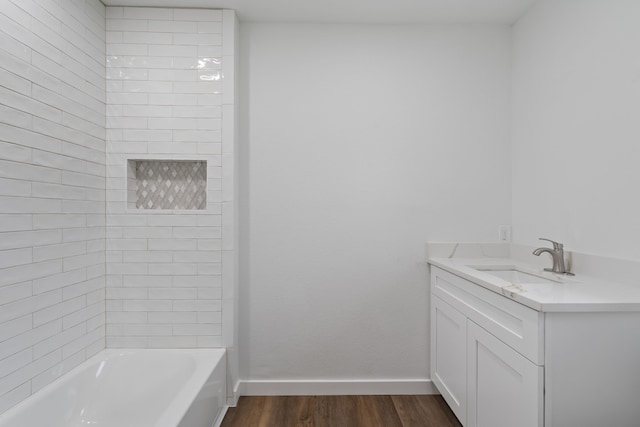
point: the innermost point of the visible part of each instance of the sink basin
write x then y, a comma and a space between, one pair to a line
515, 276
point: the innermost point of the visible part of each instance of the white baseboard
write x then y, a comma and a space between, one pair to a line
334, 387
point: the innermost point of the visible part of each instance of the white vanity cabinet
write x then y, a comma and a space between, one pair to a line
499, 363
486, 354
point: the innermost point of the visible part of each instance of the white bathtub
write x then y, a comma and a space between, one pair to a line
127, 388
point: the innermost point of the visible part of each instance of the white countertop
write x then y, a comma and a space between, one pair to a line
566, 294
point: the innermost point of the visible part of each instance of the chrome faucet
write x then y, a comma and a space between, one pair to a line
557, 253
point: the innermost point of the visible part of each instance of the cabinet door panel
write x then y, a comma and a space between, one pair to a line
449, 355
505, 388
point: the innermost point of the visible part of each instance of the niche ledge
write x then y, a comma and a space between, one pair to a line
167, 184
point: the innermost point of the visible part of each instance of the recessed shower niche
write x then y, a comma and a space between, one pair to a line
167, 184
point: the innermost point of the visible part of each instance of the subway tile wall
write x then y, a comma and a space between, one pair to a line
166, 100
52, 190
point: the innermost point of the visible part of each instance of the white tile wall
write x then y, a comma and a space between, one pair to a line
230, 205
52, 190
165, 101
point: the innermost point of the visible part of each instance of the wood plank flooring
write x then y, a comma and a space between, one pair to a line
341, 411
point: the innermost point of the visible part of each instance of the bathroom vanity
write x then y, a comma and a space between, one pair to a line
514, 346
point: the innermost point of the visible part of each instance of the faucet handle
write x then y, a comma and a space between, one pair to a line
557, 246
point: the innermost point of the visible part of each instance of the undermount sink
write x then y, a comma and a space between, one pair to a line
515, 276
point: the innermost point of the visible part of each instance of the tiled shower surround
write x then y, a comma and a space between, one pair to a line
52, 191
164, 102
72, 243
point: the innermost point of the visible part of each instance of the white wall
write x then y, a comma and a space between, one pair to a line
52, 191
169, 96
362, 143
576, 98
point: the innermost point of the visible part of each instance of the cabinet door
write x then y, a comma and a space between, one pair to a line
449, 355
505, 388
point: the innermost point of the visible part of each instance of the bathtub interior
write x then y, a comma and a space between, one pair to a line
142, 388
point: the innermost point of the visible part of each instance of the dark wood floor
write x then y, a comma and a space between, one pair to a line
341, 411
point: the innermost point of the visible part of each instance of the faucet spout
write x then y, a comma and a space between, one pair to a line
539, 251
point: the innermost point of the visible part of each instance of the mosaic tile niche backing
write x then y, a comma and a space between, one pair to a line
171, 185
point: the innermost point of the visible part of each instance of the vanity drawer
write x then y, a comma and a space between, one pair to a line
520, 327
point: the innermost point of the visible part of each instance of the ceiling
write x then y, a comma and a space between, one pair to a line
357, 11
